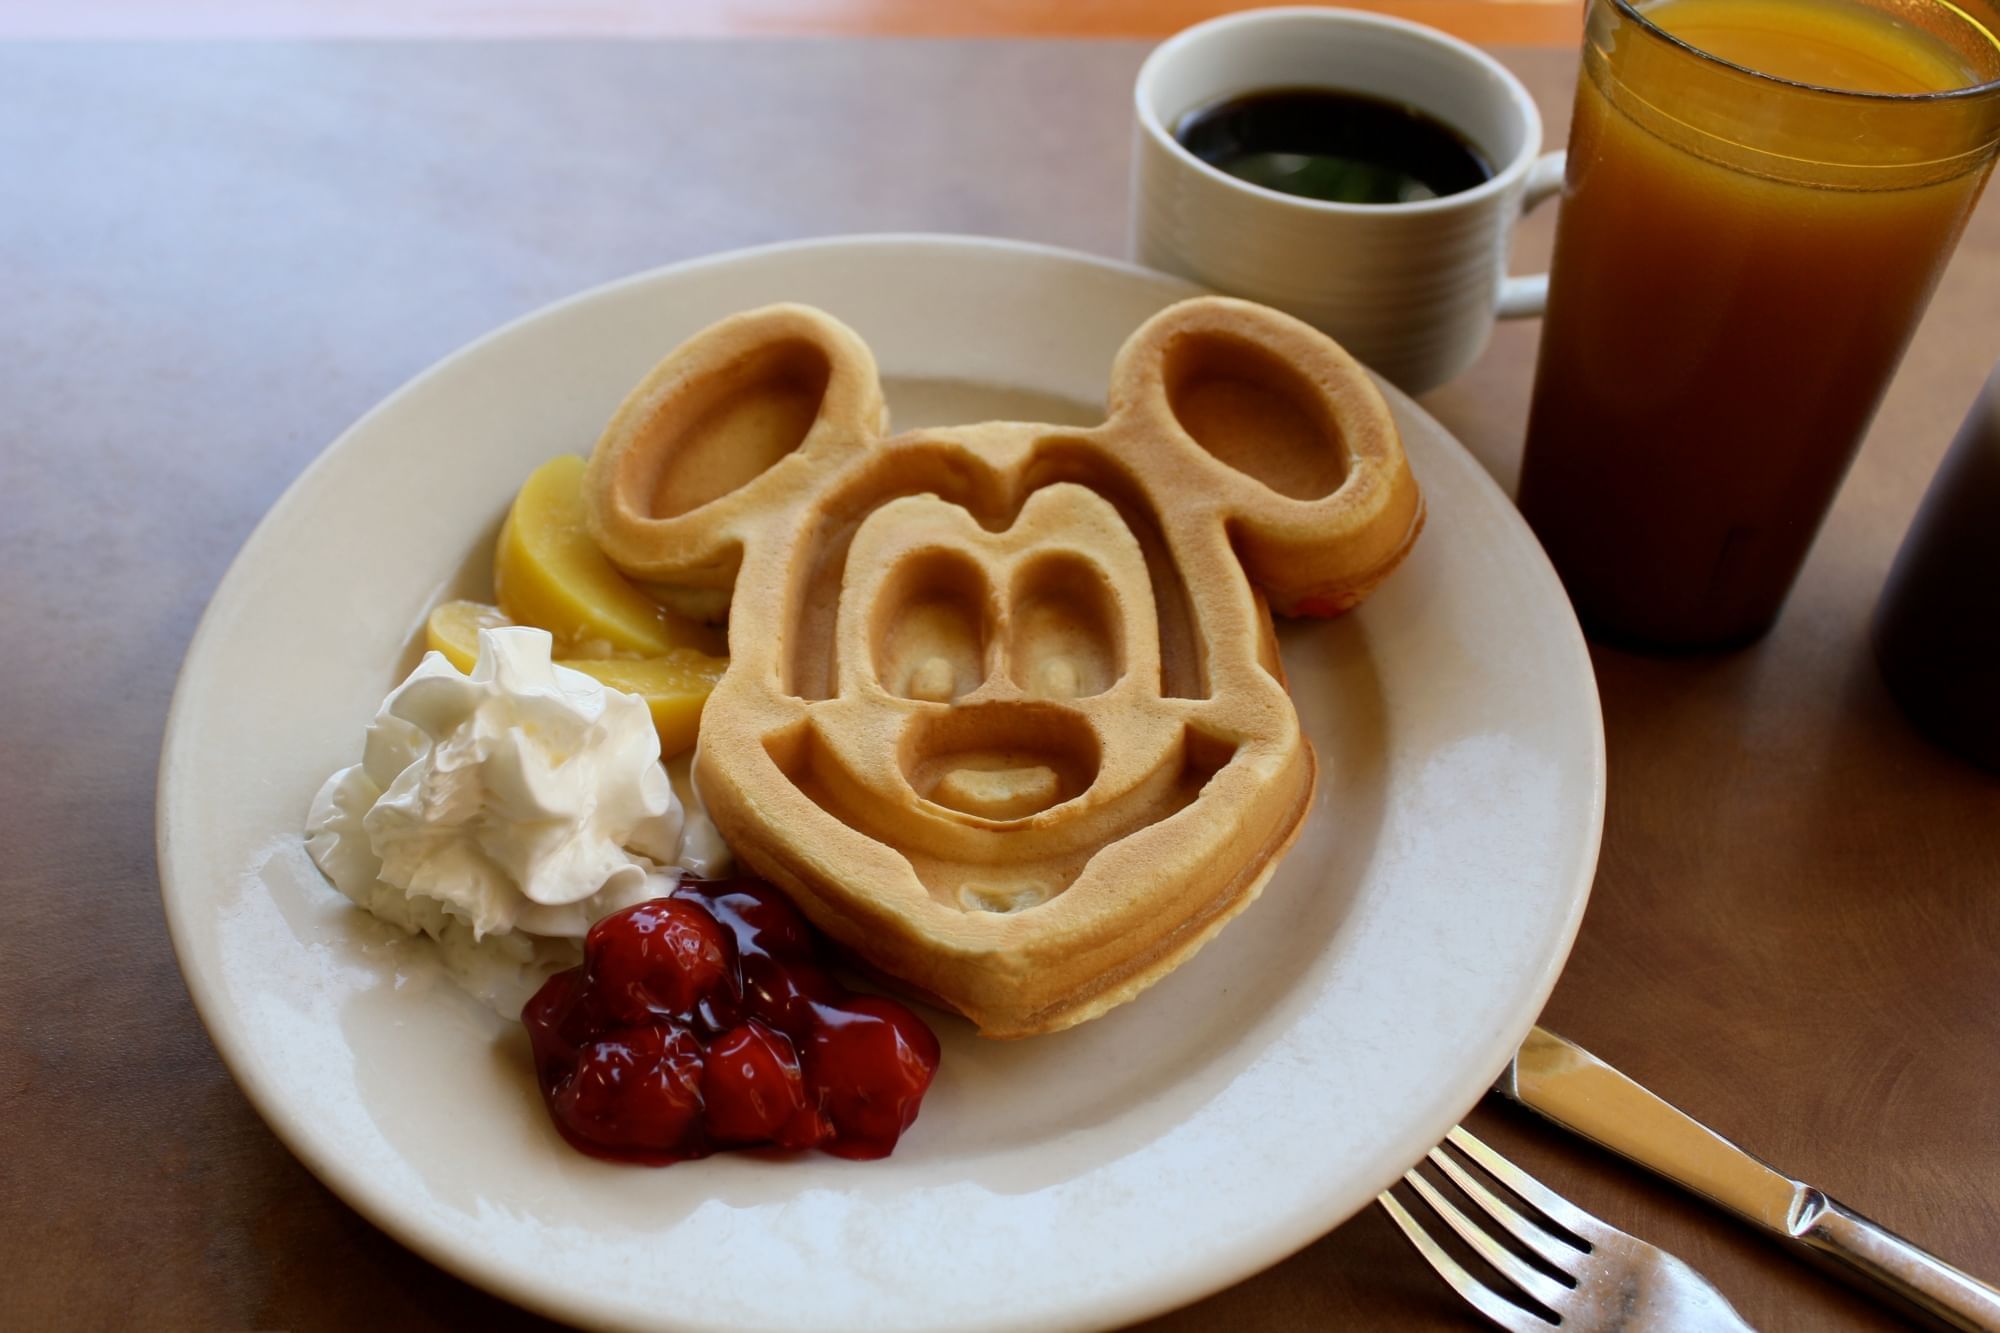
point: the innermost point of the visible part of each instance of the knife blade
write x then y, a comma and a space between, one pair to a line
1570, 1086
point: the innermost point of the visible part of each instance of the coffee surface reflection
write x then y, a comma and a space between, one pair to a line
1335, 146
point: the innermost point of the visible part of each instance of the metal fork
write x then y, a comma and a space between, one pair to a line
1597, 1277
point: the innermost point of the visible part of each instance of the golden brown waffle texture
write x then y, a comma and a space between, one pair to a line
1004, 710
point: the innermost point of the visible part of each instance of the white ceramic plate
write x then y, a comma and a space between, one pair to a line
1245, 1105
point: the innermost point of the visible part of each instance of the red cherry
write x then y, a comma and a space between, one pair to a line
763, 920
754, 1092
659, 958
1324, 607
720, 1010
870, 1061
703, 1019
636, 1090
558, 1023
785, 995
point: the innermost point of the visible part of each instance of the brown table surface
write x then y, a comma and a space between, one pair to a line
212, 259
1525, 22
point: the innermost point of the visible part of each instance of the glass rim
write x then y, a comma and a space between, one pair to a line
1631, 10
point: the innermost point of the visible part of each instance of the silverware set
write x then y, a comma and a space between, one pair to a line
1565, 1268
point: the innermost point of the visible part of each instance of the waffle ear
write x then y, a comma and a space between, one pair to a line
747, 416
1288, 434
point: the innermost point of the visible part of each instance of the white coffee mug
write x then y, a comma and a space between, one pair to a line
1412, 289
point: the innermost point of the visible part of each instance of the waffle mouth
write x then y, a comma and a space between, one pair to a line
1000, 763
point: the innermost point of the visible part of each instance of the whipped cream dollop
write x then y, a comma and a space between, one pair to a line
504, 812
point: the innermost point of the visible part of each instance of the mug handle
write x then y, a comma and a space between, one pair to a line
1524, 297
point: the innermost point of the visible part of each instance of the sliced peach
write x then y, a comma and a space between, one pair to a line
453, 629
549, 573
674, 685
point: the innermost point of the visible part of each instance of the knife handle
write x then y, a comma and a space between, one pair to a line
1933, 1288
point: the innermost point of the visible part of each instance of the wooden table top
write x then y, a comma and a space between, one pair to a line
214, 258
1522, 22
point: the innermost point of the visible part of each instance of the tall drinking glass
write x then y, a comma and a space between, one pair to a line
1761, 196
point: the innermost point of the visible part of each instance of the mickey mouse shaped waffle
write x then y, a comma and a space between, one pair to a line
1004, 711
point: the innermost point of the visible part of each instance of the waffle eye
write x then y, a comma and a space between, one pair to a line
1064, 638
930, 627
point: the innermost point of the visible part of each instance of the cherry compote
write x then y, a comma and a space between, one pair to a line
704, 1021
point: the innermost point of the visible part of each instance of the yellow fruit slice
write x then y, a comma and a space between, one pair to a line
453, 629
547, 572
674, 685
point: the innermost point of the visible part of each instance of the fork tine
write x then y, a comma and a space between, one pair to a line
1538, 1196
1537, 1284
1552, 1249
1474, 1292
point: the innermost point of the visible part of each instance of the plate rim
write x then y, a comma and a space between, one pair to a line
377, 1205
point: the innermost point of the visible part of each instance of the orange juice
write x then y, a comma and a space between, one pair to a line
1760, 200
1841, 44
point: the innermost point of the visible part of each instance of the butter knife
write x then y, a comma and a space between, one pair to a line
1572, 1087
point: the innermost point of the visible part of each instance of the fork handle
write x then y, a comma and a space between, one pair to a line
1941, 1294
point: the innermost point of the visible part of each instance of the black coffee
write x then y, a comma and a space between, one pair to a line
1342, 147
